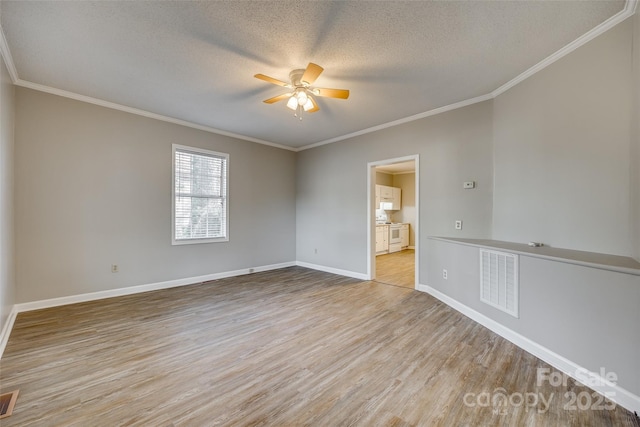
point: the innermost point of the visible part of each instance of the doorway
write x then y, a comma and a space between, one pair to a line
390, 261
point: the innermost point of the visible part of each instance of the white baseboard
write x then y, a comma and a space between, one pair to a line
361, 276
72, 299
623, 397
619, 395
92, 296
6, 330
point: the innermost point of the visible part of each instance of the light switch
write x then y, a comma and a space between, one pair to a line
469, 184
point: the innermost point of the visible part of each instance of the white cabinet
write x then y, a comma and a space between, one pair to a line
396, 197
386, 193
404, 235
388, 198
382, 239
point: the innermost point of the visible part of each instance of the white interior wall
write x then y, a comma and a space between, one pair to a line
7, 258
93, 188
407, 182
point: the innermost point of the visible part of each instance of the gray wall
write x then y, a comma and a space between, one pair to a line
564, 175
454, 147
561, 151
563, 307
551, 158
635, 146
93, 188
7, 259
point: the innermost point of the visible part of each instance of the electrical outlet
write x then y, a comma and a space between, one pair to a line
444, 274
458, 225
251, 270
114, 268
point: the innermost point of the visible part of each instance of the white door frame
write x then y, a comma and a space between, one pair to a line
371, 224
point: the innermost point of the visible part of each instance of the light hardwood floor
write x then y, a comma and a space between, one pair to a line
289, 347
397, 268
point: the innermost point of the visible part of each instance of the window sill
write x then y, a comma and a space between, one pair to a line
175, 242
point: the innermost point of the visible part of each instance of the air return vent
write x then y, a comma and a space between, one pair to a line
7, 402
499, 280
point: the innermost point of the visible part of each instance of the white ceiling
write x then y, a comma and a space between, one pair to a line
396, 168
195, 61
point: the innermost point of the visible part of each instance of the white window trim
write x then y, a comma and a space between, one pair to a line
174, 241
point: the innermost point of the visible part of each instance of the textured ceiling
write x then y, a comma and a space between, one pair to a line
195, 61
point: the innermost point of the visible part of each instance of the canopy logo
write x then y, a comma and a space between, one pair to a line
501, 401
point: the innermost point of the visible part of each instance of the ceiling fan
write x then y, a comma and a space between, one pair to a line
301, 98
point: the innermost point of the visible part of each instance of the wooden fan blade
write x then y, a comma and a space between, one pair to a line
315, 106
311, 73
277, 98
332, 93
271, 80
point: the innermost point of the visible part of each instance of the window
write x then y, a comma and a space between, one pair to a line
200, 203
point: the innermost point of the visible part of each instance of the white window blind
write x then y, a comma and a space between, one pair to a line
200, 204
499, 280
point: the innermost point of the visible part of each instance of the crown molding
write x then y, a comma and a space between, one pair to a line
8, 59
144, 113
419, 116
628, 10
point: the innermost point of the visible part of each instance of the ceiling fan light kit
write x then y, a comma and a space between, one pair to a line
301, 99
